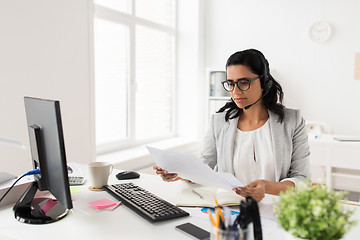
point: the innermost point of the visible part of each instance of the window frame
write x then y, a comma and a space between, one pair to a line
130, 20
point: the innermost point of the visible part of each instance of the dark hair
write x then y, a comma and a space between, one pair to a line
258, 64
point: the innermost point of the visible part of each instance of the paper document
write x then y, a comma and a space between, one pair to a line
24, 180
4, 177
348, 138
75, 170
190, 167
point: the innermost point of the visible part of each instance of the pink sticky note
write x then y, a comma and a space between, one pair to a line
113, 207
48, 205
102, 203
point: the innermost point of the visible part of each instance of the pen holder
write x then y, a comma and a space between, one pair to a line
228, 234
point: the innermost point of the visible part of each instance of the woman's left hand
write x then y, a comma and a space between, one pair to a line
255, 189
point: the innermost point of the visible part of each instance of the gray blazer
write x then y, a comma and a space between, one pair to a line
289, 139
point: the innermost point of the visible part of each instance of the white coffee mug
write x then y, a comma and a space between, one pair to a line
99, 173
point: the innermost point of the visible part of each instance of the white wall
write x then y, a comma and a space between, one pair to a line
44, 52
316, 78
190, 71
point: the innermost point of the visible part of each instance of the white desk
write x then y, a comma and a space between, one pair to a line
340, 159
86, 222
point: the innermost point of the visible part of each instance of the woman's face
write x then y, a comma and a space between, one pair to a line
244, 98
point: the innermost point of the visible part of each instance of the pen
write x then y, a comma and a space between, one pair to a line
212, 219
235, 224
221, 215
197, 193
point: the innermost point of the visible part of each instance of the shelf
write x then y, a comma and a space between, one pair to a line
215, 95
345, 182
345, 175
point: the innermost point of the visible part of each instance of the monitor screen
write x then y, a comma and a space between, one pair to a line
48, 153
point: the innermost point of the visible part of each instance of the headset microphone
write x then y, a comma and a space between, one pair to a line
263, 95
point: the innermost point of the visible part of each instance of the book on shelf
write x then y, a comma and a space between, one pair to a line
216, 89
205, 197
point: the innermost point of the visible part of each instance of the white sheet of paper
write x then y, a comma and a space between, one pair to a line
8, 184
190, 167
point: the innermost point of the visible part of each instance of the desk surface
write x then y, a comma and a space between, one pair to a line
86, 222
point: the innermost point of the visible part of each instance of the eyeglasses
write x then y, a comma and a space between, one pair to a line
243, 84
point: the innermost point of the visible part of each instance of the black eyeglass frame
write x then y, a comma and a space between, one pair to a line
237, 83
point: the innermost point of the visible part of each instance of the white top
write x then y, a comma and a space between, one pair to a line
253, 155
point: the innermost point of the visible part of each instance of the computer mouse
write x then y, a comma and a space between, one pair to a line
127, 175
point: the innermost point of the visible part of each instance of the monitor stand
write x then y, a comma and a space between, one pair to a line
27, 210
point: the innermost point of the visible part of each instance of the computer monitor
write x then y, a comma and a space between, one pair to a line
48, 153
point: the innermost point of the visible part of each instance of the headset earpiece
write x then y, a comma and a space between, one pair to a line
268, 82
269, 85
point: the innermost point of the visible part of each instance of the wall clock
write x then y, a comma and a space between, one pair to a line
320, 31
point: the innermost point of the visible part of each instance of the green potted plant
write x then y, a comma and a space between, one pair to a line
313, 212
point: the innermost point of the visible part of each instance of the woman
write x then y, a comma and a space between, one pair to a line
254, 136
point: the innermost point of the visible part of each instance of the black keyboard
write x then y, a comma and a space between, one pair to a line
144, 203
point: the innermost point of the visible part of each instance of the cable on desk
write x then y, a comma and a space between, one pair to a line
32, 172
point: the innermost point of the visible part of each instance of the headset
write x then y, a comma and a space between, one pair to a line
268, 82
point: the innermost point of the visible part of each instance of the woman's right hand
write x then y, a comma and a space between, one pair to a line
167, 177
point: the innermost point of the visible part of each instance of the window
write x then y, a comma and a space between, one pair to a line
134, 42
